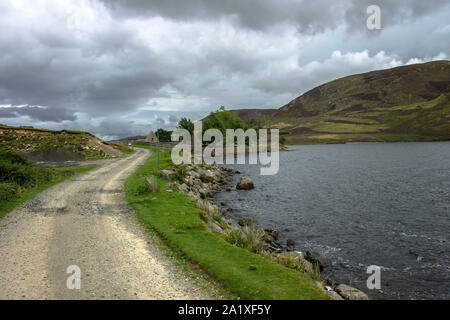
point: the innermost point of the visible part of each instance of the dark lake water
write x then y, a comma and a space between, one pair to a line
355, 205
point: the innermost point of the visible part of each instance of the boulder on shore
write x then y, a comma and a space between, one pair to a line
245, 183
166, 174
206, 176
351, 293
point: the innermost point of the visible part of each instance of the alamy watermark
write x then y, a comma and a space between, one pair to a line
256, 143
374, 20
374, 280
74, 280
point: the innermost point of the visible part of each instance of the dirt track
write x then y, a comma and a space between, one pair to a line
85, 222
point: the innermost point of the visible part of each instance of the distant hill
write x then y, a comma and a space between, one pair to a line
129, 139
30, 140
408, 103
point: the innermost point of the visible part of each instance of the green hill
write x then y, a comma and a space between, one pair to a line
408, 103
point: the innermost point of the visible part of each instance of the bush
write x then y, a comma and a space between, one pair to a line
14, 158
17, 173
8, 191
18, 170
23, 175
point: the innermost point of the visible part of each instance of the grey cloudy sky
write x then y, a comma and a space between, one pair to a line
121, 68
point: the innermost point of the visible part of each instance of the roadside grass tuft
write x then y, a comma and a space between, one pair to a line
152, 184
249, 238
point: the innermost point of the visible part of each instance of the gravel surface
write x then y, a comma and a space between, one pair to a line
85, 222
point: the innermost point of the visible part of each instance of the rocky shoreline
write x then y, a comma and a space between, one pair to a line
202, 182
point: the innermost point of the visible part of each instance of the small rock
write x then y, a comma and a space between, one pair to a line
166, 174
334, 295
272, 233
190, 181
245, 222
426, 260
351, 293
206, 176
232, 224
183, 188
309, 257
245, 183
204, 193
290, 244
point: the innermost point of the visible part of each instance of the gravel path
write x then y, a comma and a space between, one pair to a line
85, 222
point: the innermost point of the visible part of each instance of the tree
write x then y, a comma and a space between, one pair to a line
223, 119
164, 135
186, 124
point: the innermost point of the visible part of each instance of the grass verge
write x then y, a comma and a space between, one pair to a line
176, 219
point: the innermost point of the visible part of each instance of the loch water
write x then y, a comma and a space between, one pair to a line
361, 204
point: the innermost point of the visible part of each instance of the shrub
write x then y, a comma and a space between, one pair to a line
235, 237
180, 173
8, 191
43, 175
17, 173
14, 158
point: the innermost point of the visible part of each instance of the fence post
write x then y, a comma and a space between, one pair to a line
157, 137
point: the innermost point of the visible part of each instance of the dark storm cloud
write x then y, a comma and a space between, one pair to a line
255, 14
394, 12
38, 113
107, 73
307, 16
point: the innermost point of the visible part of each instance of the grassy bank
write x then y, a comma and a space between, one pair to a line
176, 219
20, 181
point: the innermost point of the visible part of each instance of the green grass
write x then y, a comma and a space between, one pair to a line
58, 175
346, 127
241, 272
141, 146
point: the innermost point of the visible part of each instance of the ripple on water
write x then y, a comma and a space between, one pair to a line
364, 204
